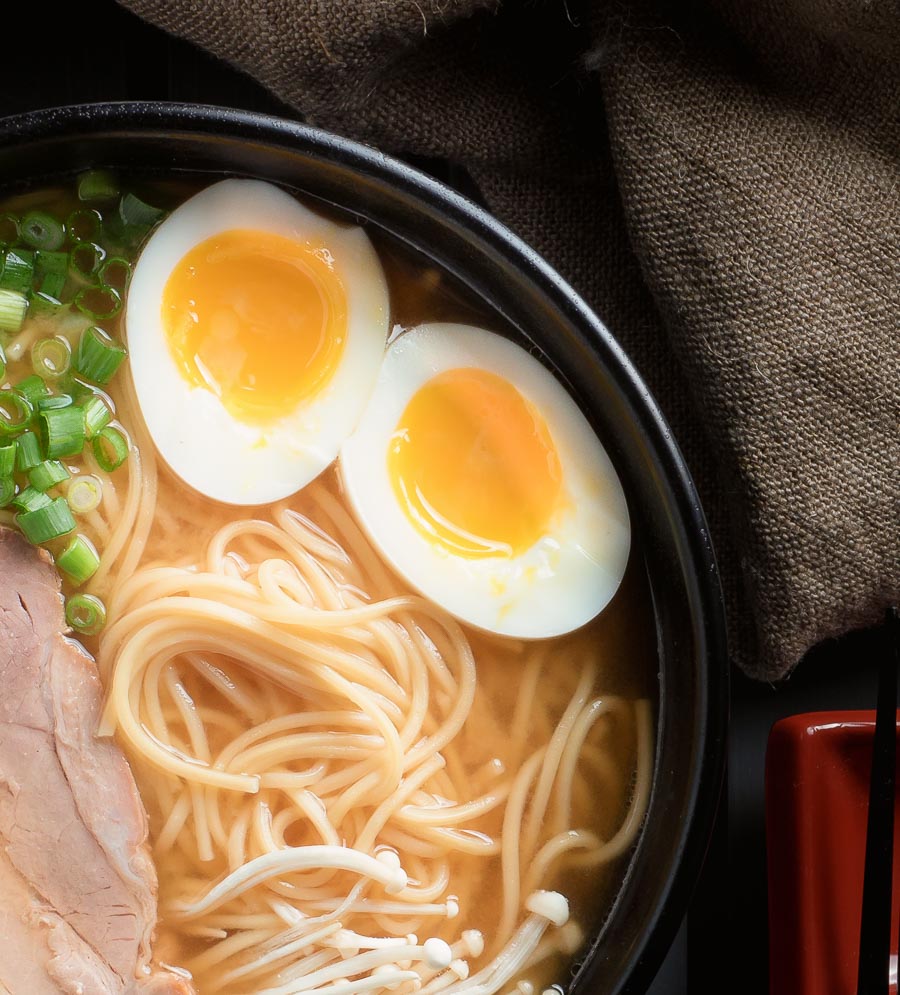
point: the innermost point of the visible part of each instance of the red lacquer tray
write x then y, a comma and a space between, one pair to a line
817, 784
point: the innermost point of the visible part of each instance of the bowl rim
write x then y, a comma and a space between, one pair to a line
702, 576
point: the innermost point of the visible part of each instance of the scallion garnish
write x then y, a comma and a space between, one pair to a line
8, 458
2, 362
30, 499
18, 271
84, 494
98, 303
50, 271
32, 388
16, 412
51, 357
47, 474
136, 213
115, 273
85, 259
77, 388
46, 262
62, 431
28, 451
41, 230
52, 285
9, 229
7, 490
96, 416
45, 305
54, 401
110, 448
98, 184
13, 308
79, 560
85, 614
83, 224
49, 522
98, 356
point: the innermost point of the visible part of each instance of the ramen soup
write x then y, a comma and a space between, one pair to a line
359, 579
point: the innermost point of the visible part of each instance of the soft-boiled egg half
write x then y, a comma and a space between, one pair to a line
256, 330
482, 483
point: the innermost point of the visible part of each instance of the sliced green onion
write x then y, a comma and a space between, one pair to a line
30, 499
50, 522
96, 416
98, 356
16, 412
79, 390
28, 451
18, 271
46, 262
13, 308
7, 490
9, 229
85, 614
99, 303
79, 560
41, 230
85, 258
110, 448
136, 213
84, 494
8, 458
32, 388
2, 362
45, 305
51, 357
62, 431
54, 401
83, 224
52, 285
51, 270
98, 184
115, 273
47, 474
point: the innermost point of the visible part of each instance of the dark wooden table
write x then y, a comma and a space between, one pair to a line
77, 53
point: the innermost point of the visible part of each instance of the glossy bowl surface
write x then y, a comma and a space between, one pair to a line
514, 281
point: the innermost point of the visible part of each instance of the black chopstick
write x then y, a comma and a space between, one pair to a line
875, 921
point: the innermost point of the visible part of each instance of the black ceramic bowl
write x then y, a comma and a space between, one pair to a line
511, 279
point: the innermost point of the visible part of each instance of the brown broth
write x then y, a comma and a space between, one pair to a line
624, 635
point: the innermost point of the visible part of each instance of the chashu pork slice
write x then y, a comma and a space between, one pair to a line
77, 885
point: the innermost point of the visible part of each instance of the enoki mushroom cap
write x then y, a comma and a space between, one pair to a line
397, 880
438, 954
460, 968
474, 942
549, 905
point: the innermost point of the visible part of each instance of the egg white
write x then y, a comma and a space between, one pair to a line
208, 447
569, 575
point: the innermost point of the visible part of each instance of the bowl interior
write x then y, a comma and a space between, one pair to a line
513, 281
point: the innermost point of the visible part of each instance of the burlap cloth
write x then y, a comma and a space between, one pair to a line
720, 180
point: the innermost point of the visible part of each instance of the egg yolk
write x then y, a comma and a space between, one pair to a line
473, 465
258, 319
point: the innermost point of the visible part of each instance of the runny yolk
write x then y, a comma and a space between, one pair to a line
258, 319
473, 465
